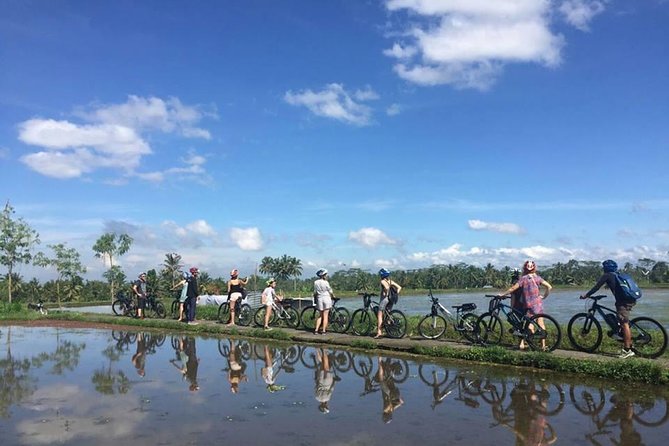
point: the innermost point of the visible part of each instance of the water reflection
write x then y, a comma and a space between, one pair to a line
135, 387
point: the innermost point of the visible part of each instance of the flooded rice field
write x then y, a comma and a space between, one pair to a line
92, 386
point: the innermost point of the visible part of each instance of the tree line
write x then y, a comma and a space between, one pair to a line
18, 240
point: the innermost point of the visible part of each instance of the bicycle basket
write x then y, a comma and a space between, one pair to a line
493, 304
468, 307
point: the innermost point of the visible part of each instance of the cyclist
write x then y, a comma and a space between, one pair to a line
235, 291
183, 283
267, 299
390, 291
192, 293
323, 296
623, 305
532, 299
139, 287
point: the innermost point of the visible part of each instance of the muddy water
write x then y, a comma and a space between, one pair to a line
86, 386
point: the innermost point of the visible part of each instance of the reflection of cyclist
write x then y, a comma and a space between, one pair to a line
139, 358
389, 390
191, 362
623, 304
236, 367
324, 381
623, 412
530, 424
268, 374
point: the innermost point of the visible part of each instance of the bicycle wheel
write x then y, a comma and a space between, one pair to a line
161, 311
585, 332
340, 319
245, 315
493, 392
308, 358
342, 360
224, 347
649, 338
549, 336
587, 400
361, 322
174, 309
550, 400
399, 369
468, 327
651, 412
489, 329
308, 318
118, 308
362, 365
395, 323
259, 316
224, 313
291, 318
432, 326
432, 374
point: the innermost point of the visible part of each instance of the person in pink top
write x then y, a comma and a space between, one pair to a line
532, 300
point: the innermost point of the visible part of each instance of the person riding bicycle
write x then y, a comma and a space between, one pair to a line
532, 299
139, 288
623, 304
323, 296
390, 291
267, 299
235, 292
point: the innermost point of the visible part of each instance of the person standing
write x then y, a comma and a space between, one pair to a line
139, 358
323, 295
267, 299
623, 304
139, 287
192, 292
390, 291
183, 284
530, 283
235, 292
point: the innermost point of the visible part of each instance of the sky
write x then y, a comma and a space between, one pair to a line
346, 133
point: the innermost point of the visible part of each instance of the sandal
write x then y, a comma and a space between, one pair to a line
378, 336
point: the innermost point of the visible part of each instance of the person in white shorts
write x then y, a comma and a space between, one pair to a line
267, 299
323, 295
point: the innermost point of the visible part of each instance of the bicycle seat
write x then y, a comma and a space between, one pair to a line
465, 307
335, 300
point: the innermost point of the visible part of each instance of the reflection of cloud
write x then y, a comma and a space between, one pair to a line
72, 405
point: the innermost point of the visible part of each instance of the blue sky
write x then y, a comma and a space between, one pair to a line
394, 133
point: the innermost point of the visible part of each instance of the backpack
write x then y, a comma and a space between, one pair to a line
628, 286
393, 295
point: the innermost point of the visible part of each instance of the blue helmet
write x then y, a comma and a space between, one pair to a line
609, 266
384, 273
321, 272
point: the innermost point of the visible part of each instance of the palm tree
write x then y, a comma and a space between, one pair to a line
172, 267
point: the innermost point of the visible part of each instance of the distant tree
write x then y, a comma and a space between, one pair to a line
114, 275
109, 246
282, 268
67, 262
17, 239
172, 267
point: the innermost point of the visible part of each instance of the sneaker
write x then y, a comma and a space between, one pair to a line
192, 323
626, 354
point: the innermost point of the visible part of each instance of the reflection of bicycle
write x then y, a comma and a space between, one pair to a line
433, 326
437, 378
649, 338
283, 314
339, 318
528, 328
124, 339
245, 348
363, 319
243, 313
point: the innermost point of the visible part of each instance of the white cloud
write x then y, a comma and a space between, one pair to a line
466, 43
579, 13
248, 239
111, 139
4, 153
504, 228
336, 103
193, 170
370, 237
393, 110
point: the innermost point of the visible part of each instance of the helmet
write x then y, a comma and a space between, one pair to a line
194, 270
142, 274
270, 281
384, 273
609, 266
321, 272
234, 273
529, 266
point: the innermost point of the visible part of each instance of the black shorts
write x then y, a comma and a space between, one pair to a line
141, 302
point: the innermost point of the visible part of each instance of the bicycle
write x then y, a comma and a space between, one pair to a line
363, 319
39, 307
124, 305
339, 317
433, 326
154, 307
649, 338
490, 329
243, 313
282, 314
